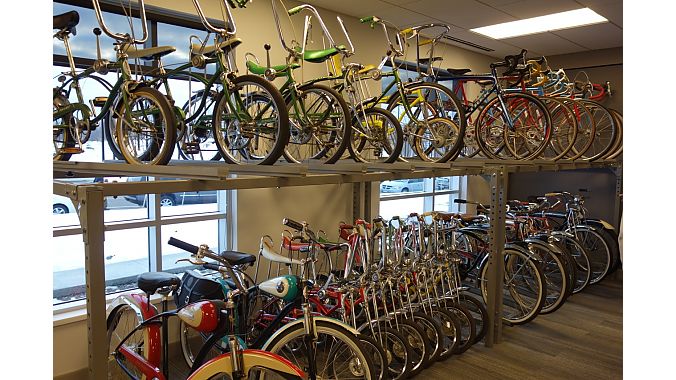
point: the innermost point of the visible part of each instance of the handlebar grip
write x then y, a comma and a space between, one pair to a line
293, 224
183, 245
460, 201
366, 19
551, 194
215, 267
406, 31
295, 10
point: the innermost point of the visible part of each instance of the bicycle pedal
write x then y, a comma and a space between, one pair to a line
71, 150
100, 101
191, 147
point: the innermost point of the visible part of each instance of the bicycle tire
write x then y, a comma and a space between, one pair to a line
597, 250
605, 133
467, 326
397, 352
617, 144
446, 107
479, 313
376, 351
420, 346
433, 331
535, 137
359, 366
579, 255
564, 129
526, 300
239, 146
158, 125
137, 342
555, 274
62, 138
335, 135
451, 327
363, 137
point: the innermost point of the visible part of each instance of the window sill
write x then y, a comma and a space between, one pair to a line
76, 311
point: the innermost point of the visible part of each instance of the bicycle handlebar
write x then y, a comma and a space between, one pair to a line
118, 36
313, 10
230, 21
377, 20
293, 224
204, 251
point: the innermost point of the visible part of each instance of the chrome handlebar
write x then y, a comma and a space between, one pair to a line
230, 20
122, 37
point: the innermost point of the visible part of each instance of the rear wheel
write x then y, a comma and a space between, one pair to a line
62, 137
121, 322
605, 133
597, 250
197, 140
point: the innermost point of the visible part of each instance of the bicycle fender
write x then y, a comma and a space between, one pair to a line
139, 303
301, 321
250, 359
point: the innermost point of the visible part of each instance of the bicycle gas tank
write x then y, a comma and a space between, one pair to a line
284, 287
202, 316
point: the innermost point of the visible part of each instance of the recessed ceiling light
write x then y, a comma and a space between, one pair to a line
555, 21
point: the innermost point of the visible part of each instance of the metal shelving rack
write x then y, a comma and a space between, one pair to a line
218, 176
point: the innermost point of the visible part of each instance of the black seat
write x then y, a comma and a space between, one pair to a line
426, 61
458, 71
66, 20
151, 281
238, 258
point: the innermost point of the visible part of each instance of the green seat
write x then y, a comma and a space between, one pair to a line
319, 56
260, 70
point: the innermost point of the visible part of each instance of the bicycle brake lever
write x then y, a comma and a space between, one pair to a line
196, 262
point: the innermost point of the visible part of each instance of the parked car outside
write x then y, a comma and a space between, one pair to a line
442, 183
172, 199
402, 185
62, 205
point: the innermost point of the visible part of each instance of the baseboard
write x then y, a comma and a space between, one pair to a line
80, 374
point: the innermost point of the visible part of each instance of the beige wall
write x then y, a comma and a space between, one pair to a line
261, 211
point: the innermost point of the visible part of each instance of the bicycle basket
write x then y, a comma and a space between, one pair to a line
195, 287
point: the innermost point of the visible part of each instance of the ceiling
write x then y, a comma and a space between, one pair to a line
463, 15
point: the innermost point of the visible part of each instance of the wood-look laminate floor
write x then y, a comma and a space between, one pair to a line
581, 340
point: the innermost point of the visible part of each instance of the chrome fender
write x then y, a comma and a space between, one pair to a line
302, 320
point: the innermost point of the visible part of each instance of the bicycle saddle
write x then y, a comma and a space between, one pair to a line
151, 281
458, 71
210, 49
238, 258
150, 53
66, 20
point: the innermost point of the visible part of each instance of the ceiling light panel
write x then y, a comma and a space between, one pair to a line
555, 21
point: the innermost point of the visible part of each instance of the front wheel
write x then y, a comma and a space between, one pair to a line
338, 353
146, 128
250, 122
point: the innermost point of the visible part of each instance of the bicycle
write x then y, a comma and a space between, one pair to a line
142, 116
142, 350
328, 347
432, 118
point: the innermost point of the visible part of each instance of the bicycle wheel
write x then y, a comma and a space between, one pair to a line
374, 350
451, 327
479, 313
434, 334
606, 130
564, 129
62, 138
581, 261
416, 338
192, 341
121, 322
467, 326
616, 150
439, 121
376, 136
146, 128
555, 276
524, 287
597, 250
586, 128
197, 140
339, 355
532, 126
256, 364
250, 122
319, 125
397, 352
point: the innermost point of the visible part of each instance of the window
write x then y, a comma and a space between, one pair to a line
137, 227
404, 196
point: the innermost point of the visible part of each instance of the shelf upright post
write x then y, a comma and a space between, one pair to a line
618, 197
495, 270
91, 219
